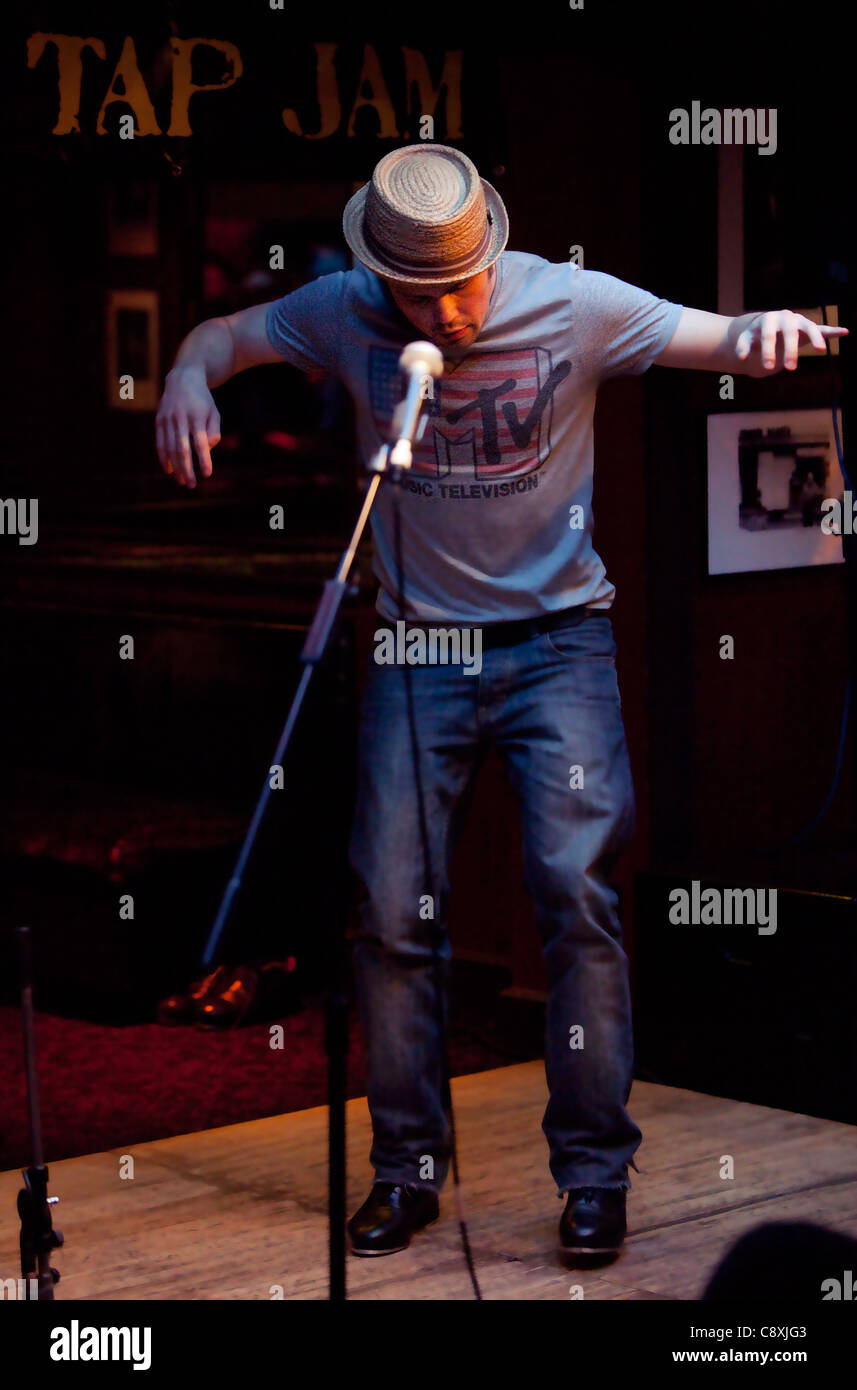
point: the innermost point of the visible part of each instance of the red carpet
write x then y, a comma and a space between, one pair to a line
105, 1087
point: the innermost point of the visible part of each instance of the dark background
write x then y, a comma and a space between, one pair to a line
139, 776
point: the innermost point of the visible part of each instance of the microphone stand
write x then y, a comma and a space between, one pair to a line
38, 1238
391, 460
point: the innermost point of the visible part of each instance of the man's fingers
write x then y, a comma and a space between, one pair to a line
161, 445
815, 334
770, 326
180, 452
818, 333
176, 457
186, 456
205, 438
791, 336
200, 440
186, 431
828, 331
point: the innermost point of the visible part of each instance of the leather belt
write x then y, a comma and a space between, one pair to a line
507, 634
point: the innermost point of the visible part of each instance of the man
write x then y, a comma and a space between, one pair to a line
496, 523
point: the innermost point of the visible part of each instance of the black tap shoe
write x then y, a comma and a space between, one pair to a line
389, 1216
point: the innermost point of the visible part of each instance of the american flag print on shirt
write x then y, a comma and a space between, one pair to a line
490, 416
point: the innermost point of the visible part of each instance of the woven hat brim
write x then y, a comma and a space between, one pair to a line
352, 227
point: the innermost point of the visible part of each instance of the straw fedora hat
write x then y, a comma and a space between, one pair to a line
426, 217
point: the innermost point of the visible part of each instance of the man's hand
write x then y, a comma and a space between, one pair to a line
210, 354
779, 333
754, 344
186, 415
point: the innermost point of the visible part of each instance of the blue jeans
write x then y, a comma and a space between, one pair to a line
548, 703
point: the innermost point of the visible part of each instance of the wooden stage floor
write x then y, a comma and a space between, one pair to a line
230, 1212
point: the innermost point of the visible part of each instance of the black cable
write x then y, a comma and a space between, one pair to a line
434, 921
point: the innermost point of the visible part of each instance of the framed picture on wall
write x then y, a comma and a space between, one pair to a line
769, 472
133, 349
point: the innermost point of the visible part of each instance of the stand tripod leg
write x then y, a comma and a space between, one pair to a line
37, 1238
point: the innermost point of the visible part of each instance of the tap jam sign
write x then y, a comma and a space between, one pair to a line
128, 87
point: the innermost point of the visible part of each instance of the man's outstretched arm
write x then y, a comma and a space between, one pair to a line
212, 353
752, 344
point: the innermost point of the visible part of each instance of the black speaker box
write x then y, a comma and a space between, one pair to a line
761, 1016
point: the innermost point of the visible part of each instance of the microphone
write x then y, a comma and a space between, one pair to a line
419, 361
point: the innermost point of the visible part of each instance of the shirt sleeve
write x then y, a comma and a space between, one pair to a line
619, 328
305, 326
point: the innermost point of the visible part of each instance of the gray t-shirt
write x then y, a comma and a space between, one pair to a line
496, 512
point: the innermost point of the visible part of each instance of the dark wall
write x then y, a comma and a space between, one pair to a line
742, 752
